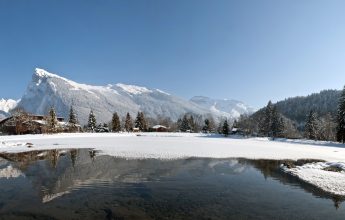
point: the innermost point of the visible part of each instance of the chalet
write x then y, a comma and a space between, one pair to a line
159, 128
28, 124
136, 130
236, 131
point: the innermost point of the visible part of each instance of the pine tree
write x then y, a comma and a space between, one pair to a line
92, 123
115, 123
310, 129
225, 129
185, 124
52, 120
277, 124
191, 124
206, 128
128, 123
143, 122
140, 122
72, 117
266, 122
341, 118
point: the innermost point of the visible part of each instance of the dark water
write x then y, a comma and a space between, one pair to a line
80, 184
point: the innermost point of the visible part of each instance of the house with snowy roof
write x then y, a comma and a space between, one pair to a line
159, 128
29, 124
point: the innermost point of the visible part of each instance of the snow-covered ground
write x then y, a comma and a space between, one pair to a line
179, 145
315, 174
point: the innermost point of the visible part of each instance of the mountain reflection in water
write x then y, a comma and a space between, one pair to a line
86, 184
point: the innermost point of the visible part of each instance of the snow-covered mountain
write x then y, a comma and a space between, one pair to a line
6, 106
224, 107
48, 89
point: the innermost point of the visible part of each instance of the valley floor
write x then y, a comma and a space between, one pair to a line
180, 145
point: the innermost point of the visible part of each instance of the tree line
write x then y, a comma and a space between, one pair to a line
187, 123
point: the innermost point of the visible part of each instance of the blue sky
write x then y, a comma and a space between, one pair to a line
250, 50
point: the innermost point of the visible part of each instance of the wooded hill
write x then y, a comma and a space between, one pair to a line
298, 108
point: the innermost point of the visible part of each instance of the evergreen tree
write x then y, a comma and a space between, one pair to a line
140, 122
92, 123
277, 124
128, 123
185, 124
310, 129
73, 121
52, 120
137, 122
191, 124
341, 118
115, 123
72, 116
225, 129
206, 128
266, 122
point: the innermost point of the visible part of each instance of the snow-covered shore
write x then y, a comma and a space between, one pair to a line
318, 175
180, 145
177, 145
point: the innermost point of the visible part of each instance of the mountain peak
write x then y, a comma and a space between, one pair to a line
45, 74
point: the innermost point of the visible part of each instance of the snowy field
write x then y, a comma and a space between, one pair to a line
180, 145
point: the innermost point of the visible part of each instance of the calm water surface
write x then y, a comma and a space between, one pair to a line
81, 184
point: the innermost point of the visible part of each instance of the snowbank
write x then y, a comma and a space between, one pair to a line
177, 145
318, 174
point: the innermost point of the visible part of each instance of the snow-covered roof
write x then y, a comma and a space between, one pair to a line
60, 123
158, 126
42, 122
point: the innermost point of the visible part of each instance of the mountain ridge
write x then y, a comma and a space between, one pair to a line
227, 108
48, 89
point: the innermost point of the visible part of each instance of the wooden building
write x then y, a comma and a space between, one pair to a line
159, 128
25, 124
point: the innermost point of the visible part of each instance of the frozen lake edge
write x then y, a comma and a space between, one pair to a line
184, 145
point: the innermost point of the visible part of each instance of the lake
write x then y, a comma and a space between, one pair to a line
84, 184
